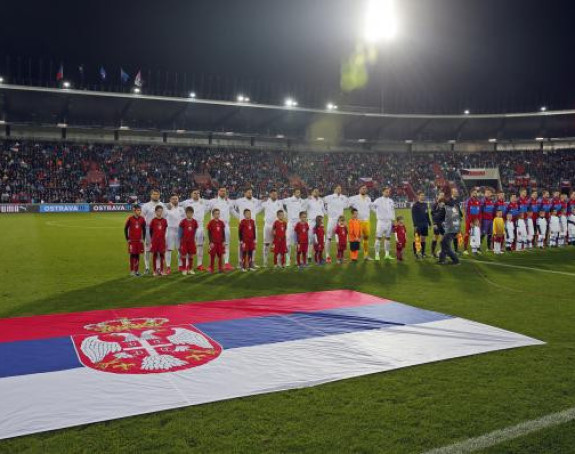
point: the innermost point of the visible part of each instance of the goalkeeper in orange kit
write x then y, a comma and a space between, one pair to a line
354, 233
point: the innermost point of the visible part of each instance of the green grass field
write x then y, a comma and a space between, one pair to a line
59, 263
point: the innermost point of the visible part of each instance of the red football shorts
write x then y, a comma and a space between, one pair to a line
280, 247
217, 249
188, 247
302, 247
136, 247
249, 246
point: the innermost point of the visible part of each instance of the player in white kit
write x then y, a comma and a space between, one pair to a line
294, 206
521, 233
226, 206
554, 229
201, 207
571, 226
530, 229
247, 202
174, 213
541, 229
335, 204
315, 208
362, 203
270, 207
475, 237
149, 213
385, 211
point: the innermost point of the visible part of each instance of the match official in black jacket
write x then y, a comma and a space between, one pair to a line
437, 218
421, 222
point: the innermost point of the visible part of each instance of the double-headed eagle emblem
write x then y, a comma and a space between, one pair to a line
140, 346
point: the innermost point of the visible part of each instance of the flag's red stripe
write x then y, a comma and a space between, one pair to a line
44, 326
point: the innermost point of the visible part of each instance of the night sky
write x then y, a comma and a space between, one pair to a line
485, 55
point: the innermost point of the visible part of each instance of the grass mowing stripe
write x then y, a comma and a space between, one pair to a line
509, 433
481, 262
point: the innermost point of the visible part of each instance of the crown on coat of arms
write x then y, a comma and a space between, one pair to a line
126, 324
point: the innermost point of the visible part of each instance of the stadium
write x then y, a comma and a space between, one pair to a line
374, 256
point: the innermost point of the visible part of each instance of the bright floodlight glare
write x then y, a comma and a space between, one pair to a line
192, 95
1, 80
543, 109
137, 90
289, 102
240, 98
247, 99
466, 112
66, 84
380, 21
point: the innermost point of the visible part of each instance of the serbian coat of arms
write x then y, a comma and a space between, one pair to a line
144, 346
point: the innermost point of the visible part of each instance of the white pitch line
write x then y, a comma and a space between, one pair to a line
509, 433
541, 270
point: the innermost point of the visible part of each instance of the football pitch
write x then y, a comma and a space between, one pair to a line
59, 263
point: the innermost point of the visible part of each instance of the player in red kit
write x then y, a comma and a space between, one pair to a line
158, 231
187, 234
472, 214
247, 237
341, 234
135, 232
279, 230
217, 238
318, 240
302, 234
400, 237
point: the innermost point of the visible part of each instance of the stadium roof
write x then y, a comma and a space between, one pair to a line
81, 108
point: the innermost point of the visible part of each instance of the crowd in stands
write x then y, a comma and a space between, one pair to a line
66, 172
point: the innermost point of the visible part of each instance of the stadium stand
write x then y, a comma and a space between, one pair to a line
33, 171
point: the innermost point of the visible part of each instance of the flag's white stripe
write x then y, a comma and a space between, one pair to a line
39, 402
529, 268
509, 433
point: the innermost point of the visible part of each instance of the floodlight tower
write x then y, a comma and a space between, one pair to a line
381, 27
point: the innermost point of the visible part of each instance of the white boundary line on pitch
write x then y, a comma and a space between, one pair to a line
509, 433
541, 270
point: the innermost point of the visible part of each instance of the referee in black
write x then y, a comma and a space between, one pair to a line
421, 222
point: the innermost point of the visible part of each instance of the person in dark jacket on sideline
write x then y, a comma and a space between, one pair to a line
437, 218
421, 222
452, 226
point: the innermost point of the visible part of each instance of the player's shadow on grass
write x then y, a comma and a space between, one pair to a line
380, 278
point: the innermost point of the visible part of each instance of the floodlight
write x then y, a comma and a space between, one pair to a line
331, 106
540, 139
466, 112
380, 21
240, 98
1, 80
408, 141
543, 109
62, 125
289, 102
192, 95
493, 140
66, 84
137, 90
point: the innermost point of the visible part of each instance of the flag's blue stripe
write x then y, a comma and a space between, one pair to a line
49, 355
247, 332
37, 356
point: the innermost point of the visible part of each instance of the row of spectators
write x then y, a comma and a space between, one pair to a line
58, 172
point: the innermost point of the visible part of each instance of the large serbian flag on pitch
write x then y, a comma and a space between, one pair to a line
64, 370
